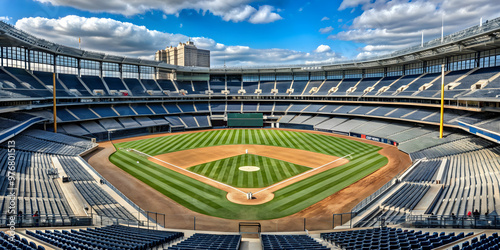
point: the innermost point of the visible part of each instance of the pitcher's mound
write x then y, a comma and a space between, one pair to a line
249, 168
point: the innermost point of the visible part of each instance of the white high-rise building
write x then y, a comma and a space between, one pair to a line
185, 54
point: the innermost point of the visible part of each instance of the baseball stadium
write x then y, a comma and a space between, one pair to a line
398, 151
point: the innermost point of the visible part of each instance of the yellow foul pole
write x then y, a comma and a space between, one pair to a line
54, 101
442, 103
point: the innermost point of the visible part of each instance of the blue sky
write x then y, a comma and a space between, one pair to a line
246, 32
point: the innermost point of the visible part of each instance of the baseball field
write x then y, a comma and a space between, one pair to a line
204, 171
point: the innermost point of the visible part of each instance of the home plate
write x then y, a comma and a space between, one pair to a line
249, 168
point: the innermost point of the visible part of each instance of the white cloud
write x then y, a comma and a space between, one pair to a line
326, 30
265, 15
126, 39
229, 10
352, 3
325, 18
322, 48
239, 14
385, 26
5, 18
180, 25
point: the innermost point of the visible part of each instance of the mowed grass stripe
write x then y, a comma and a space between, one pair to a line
276, 169
288, 200
347, 176
318, 193
180, 184
270, 137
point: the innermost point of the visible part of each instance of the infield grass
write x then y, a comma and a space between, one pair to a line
227, 171
203, 198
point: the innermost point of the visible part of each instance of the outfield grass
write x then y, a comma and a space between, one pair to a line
227, 171
206, 199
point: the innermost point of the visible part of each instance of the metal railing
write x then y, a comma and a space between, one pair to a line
50, 220
368, 200
445, 221
131, 203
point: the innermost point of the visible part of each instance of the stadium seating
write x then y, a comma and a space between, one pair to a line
35, 190
424, 172
110, 237
298, 87
167, 85
209, 241
141, 109
266, 87
157, 108
282, 87
185, 85
484, 242
172, 108
93, 127
73, 82
458, 172
175, 121
104, 111
390, 238
48, 80
270, 242
115, 84
203, 121
83, 113
17, 243
201, 107
189, 121
407, 196
136, 87
266, 107
200, 87
95, 83
233, 87
470, 183
186, 107
250, 87
233, 107
451, 148
313, 85
26, 78
124, 110
149, 84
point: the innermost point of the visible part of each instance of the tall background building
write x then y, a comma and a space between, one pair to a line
185, 54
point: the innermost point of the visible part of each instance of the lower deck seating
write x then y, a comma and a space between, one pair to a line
492, 242
74, 169
390, 238
17, 243
407, 196
110, 237
36, 191
101, 201
209, 241
424, 171
298, 242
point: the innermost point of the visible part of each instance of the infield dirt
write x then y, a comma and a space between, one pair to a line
192, 157
315, 217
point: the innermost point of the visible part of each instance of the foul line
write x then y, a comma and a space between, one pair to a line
199, 175
306, 172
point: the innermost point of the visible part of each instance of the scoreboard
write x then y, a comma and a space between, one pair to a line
245, 120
